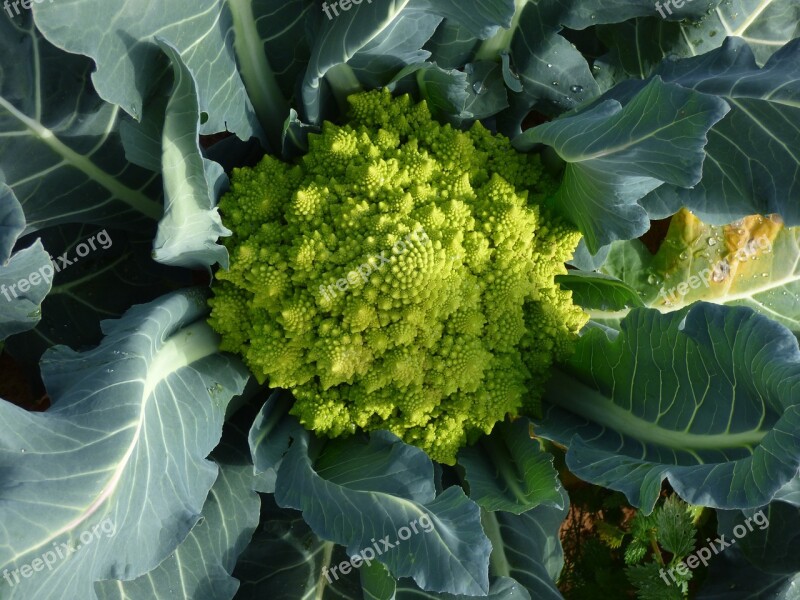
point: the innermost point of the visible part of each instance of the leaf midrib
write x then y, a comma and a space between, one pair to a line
590, 404
132, 198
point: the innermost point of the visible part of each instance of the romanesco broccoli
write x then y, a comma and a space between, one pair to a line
399, 277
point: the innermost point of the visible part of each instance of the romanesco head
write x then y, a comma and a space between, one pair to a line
400, 277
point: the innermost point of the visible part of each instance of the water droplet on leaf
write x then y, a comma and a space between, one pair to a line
478, 87
721, 271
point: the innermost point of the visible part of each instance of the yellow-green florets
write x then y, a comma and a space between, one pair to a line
400, 277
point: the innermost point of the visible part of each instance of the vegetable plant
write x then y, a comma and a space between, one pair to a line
357, 300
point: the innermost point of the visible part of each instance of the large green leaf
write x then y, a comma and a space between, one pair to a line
342, 36
398, 45
286, 28
187, 235
790, 493
553, 74
527, 547
287, 561
597, 290
60, 148
201, 566
502, 588
125, 443
120, 37
615, 155
753, 156
732, 577
20, 309
445, 91
101, 285
763, 564
377, 488
378, 39
754, 262
481, 18
579, 14
768, 536
270, 437
704, 397
452, 45
12, 222
509, 471
638, 45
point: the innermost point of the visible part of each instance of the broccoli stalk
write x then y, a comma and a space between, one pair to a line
500, 42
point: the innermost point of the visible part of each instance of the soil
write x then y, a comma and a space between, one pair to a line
15, 388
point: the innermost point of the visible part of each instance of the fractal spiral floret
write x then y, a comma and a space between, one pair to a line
400, 276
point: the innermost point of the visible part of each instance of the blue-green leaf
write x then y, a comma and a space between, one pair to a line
201, 566
579, 15
509, 471
790, 493
341, 37
615, 155
768, 536
103, 284
12, 222
731, 577
270, 437
704, 397
486, 91
597, 290
124, 443
637, 46
753, 157
60, 148
527, 547
286, 28
287, 561
555, 77
23, 287
375, 40
482, 18
377, 489
120, 37
764, 563
451, 45
20, 309
502, 588
188, 233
